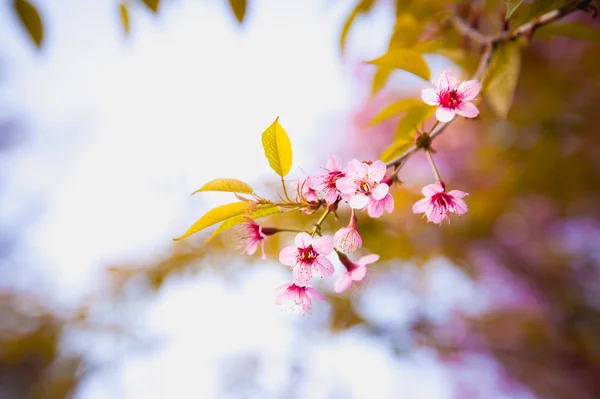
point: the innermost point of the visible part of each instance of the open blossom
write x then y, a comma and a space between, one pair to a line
437, 203
295, 298
251, 235
363, 187
327, 181
306, 191
356, 271
452, 98
307, 257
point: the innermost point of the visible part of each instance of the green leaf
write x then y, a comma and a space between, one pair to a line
362, 7
569, 29
234, 221
397, 148
395, 109
500, 81
278, 148
239, 9
412, 120
31, 20
152, 5
406, 59
512, 6
216, 215
226, 184
124, 14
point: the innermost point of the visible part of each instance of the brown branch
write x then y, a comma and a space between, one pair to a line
489, 44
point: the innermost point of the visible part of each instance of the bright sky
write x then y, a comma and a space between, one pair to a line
123, 130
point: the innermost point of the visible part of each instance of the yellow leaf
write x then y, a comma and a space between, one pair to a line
380, 78
31, 20
397, 148
362, 7
216, 215
257, 214
407, 31
152, 5
239, 9
395, 109
412, 120
278, 148
124, 13
226, 184
406, 59
500, 81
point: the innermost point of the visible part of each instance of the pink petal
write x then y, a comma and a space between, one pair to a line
342, 283
421, 205
366, 260
281, 297
459, 206
380, 192
359, 273
303, 240
346, 185
430, 97
376, 171
468, 110
323, 245
431, 189
331, 196
251, 247
375, 208
288, 256
305, 302
447, 80
301, 275
355, 169
469, 90
444, 115
314, 293
358, 201
323, 267
334, 163
388, 203
282, 287
436, 215
262, 249
457, 194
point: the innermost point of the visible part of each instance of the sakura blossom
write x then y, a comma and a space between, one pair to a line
347, 239
326, 182
306, 191
307, 257
362, 183
356, 272
296, 298
452, 97
251, 236
437, 204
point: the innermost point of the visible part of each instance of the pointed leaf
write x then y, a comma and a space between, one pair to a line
226, 184
362, 7
124, 14
380, 78
234, 221
216, 215
500, 81
406, 59
395, 109
397, 148
511, 7
412, 120
569, 29
239, 9
31, 20
278, 148
152, 5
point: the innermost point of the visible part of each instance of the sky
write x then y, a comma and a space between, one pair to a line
121, 131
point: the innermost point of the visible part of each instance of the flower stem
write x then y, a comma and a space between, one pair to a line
434, 126
317, 227
291, 230
433, 166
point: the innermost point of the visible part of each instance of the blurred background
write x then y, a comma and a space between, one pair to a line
112, 113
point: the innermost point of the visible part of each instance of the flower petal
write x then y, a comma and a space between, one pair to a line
314, 293
346, 185
323, 267
331, 195
468, 110
457, 194
376, 171
421, 205
469, 90
359, 273
388, 203
368, 259
444, 115
432, 189
375, 208
303, 240
447, 80
323, 245
334, 163
429, 96
342, 283
288, 256
459, 206
358, 201
251, 247
380, 192
301, 274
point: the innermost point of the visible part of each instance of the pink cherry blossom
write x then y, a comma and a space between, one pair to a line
356, 271
307, 257
347, 239
452, 98
363, 182
295, 298
327, 181
437, 203
375, 207
306, 191
251, 235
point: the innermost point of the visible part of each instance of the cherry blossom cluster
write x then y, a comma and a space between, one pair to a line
362, 185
